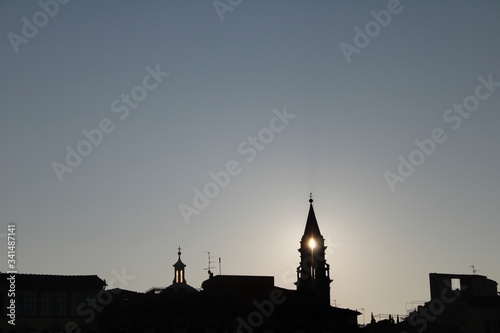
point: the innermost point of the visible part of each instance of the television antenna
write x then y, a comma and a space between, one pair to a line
209, 267
474, 270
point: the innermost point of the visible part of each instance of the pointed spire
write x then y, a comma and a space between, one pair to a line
312, 227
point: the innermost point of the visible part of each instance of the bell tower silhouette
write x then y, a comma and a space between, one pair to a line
313, 274
179, 270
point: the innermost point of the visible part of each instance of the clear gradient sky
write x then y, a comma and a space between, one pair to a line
356, 116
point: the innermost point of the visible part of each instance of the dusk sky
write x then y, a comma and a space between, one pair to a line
116, 115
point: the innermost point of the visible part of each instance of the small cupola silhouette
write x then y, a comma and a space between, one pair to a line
313, 274
179, 285
179, 270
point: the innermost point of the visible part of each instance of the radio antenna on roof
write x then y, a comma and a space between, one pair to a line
209, 267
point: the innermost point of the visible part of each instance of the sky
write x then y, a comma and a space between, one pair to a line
129, 128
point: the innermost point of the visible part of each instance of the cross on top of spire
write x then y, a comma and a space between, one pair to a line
312, 228
179, 264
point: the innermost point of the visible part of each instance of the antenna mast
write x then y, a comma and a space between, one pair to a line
209, 267
474, 270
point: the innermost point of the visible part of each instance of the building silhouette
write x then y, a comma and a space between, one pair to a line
50, 303
460, 303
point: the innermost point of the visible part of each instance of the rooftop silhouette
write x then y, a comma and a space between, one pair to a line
243, 303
